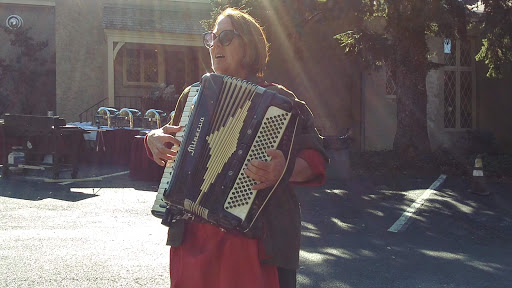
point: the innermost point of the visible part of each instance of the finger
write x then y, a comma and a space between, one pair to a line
161, 153
165, 140
166, 153
168, 129
165, 162
272, 169
260, 186
167, 159
256, 173
252, 175
159, 161
260, 165
275, 154
157, 137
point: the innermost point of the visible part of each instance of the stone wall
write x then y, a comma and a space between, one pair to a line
495, 106
81, 52
41, 22
379, 116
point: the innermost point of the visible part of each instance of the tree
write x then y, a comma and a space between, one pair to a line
20, 75
400, 41
402, 45
496, 26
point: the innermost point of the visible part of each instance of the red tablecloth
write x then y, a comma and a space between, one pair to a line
141, 167
113, 146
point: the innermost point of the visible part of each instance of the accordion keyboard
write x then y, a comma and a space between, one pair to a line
159, 205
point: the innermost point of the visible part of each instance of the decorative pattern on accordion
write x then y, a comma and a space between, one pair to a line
241, 196
159, 205
223, 141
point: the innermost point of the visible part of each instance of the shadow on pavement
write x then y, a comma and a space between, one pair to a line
19, 188
33, 187
456, 238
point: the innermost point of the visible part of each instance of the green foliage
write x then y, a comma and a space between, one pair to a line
447, 19
495, 53
441, 18
19, 76
358, 43
496, 26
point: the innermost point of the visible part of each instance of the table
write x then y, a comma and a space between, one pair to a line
141, 166
110, 146
114, 145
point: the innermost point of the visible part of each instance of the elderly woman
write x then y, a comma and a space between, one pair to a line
203, 255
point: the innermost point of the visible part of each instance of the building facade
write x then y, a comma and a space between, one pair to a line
117, 52
39, 18
464, 108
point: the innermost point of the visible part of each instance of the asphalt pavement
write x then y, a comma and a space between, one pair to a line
102, 234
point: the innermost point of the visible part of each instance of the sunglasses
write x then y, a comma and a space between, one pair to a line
225, 38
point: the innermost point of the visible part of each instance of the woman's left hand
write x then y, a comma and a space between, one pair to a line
266, 173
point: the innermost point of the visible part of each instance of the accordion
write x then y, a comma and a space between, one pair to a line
228, 123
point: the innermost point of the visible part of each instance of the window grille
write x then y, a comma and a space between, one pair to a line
390, 81
459, 94
465, 54
140, 66
450, 100
466, 105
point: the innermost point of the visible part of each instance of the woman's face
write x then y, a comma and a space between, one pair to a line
227, 60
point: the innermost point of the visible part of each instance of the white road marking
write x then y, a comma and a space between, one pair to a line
417, 204
99, 178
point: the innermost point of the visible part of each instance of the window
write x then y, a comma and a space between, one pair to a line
140, 67
458, 82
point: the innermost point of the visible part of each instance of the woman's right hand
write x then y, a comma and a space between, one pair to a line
163, 144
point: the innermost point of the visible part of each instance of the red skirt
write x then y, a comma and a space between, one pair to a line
210, 257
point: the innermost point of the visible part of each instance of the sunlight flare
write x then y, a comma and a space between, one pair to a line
338, 252
315, 257
343, 225
486, 266
308, 225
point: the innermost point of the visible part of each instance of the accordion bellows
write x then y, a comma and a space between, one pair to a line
228, 123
